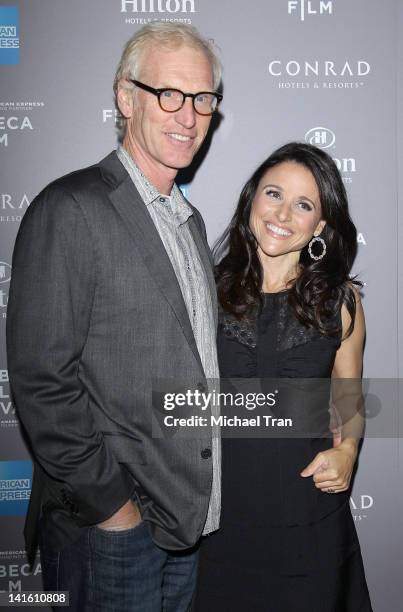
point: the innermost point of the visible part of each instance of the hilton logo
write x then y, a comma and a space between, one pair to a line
320, 137
157, 6
5, 275
306, 8
324, 138
5, 272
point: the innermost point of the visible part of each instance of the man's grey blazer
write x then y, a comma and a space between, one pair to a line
95, 311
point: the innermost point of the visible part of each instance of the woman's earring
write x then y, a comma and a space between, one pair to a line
322, 242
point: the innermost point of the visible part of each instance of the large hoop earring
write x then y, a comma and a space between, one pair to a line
323, 244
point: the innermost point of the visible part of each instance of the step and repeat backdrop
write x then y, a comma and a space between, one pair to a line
325, 72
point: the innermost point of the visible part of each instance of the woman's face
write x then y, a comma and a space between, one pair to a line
286, 211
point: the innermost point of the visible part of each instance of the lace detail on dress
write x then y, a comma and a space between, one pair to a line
289, 331
243, 332
277, 313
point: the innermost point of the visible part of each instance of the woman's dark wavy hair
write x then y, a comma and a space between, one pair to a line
323, 286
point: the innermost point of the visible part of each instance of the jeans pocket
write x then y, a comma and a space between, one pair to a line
107, 545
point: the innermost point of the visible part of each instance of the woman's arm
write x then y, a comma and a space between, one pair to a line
332, 469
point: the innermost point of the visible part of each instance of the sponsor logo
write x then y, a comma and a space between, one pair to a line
9, 35
361, 239
320, 137
360, 505
308, 8
16, 205
5, 272
157, 10
319, 74
316, 68
3, 303
14, 118
109, 114
15, 487
12, 123
7, 410
20, 106
15, 573
5, 275
158, 6
324, 138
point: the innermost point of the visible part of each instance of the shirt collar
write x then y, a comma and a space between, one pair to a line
149, 193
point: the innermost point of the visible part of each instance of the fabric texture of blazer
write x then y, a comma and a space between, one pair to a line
95, 314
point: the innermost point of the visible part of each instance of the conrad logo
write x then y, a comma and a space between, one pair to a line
316, 68
360, 504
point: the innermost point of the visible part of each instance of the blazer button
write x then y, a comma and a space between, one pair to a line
200, 387
206, 453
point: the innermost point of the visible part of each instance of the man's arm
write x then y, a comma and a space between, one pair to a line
48, 319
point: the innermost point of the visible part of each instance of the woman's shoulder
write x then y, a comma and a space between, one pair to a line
352, 313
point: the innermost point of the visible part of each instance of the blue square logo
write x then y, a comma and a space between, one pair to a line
9, 35
15, 487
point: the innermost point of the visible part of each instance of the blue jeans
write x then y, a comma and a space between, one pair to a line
119, 571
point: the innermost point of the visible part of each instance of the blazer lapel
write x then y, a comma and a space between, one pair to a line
139, 223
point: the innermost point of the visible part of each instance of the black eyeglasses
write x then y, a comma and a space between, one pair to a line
172, 100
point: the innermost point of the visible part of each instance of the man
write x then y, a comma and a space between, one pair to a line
113, 287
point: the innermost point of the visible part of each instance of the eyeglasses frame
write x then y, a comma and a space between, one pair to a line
159, 91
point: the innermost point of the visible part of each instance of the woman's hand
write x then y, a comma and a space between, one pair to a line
332, 469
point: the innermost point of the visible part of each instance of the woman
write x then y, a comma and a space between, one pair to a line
289, 310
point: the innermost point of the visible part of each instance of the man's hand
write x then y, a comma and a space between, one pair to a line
126, 517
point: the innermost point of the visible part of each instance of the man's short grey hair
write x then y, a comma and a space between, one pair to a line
164, 35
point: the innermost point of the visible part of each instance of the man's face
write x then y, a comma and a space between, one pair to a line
164, 142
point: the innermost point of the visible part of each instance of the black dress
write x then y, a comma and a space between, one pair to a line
283, 545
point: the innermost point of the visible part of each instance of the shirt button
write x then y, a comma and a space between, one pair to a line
206, 453
162, 200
